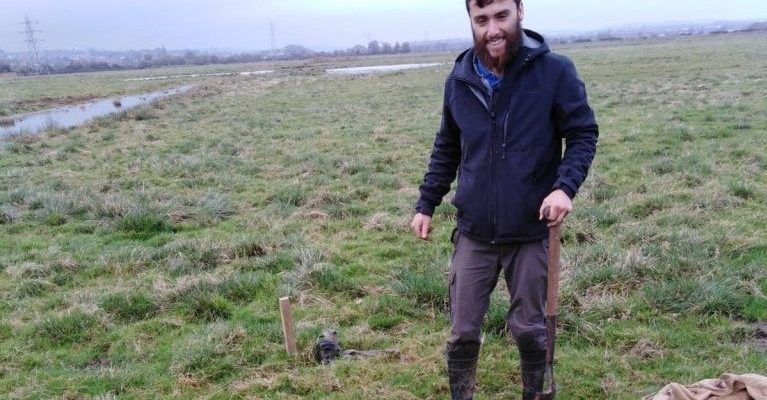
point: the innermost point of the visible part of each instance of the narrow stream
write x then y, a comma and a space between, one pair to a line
159, 78
378, 68
77, 114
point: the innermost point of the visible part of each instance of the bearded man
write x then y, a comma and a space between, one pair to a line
509, 104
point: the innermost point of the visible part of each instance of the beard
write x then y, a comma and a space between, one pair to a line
498, 63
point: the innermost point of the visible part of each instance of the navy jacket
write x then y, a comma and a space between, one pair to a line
506, 147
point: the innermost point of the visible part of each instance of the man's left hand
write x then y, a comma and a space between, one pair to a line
558, 204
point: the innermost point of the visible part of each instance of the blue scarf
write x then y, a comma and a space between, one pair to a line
489, 78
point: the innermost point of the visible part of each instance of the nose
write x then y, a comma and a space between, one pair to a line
493, 29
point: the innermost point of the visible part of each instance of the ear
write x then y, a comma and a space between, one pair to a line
521, 10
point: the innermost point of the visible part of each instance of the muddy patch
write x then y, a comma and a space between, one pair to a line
48, 102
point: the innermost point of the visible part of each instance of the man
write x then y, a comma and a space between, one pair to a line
508, 105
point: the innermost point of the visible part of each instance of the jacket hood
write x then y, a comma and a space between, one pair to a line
533, 46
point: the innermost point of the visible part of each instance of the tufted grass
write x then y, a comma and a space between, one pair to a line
142, 256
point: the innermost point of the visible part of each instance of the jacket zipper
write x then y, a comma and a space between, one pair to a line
492, 110
493, 186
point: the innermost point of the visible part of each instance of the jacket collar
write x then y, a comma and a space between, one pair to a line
533, 46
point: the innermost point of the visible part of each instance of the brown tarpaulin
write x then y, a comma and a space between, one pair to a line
727, 387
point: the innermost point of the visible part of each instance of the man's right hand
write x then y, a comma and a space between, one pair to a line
421, 225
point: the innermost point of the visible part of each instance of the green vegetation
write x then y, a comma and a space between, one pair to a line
141, 256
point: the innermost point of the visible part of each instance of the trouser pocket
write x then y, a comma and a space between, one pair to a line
474, 273
451, 275
450, 292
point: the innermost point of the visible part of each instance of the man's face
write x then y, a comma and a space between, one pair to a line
497, 31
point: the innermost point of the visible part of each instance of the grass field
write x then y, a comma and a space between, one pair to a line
142, 255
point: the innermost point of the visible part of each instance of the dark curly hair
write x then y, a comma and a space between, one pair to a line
483, 3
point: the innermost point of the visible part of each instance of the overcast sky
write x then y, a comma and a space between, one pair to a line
318, 24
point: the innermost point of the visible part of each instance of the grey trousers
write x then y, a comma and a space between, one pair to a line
474, 272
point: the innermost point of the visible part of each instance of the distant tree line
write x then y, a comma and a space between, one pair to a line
376, 47
91, 61
4, 66
95, 60
757, 26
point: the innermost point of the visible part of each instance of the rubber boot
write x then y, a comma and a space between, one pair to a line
533, 372
462, 369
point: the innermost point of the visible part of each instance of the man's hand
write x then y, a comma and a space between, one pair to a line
421, 225
555, 207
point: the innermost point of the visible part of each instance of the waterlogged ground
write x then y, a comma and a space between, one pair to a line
78, 114
142, 256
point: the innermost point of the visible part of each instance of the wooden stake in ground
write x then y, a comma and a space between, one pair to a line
287, 326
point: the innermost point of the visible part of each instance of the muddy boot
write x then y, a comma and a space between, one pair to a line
533, 372
462, 369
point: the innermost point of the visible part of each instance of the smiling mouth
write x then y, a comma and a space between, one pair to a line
497, 42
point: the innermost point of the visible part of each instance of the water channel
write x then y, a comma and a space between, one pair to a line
73, 115
159, 78
378, 68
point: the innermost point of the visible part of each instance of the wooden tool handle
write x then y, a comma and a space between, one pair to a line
553, 276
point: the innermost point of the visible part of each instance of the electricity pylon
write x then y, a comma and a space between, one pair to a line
32, 43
